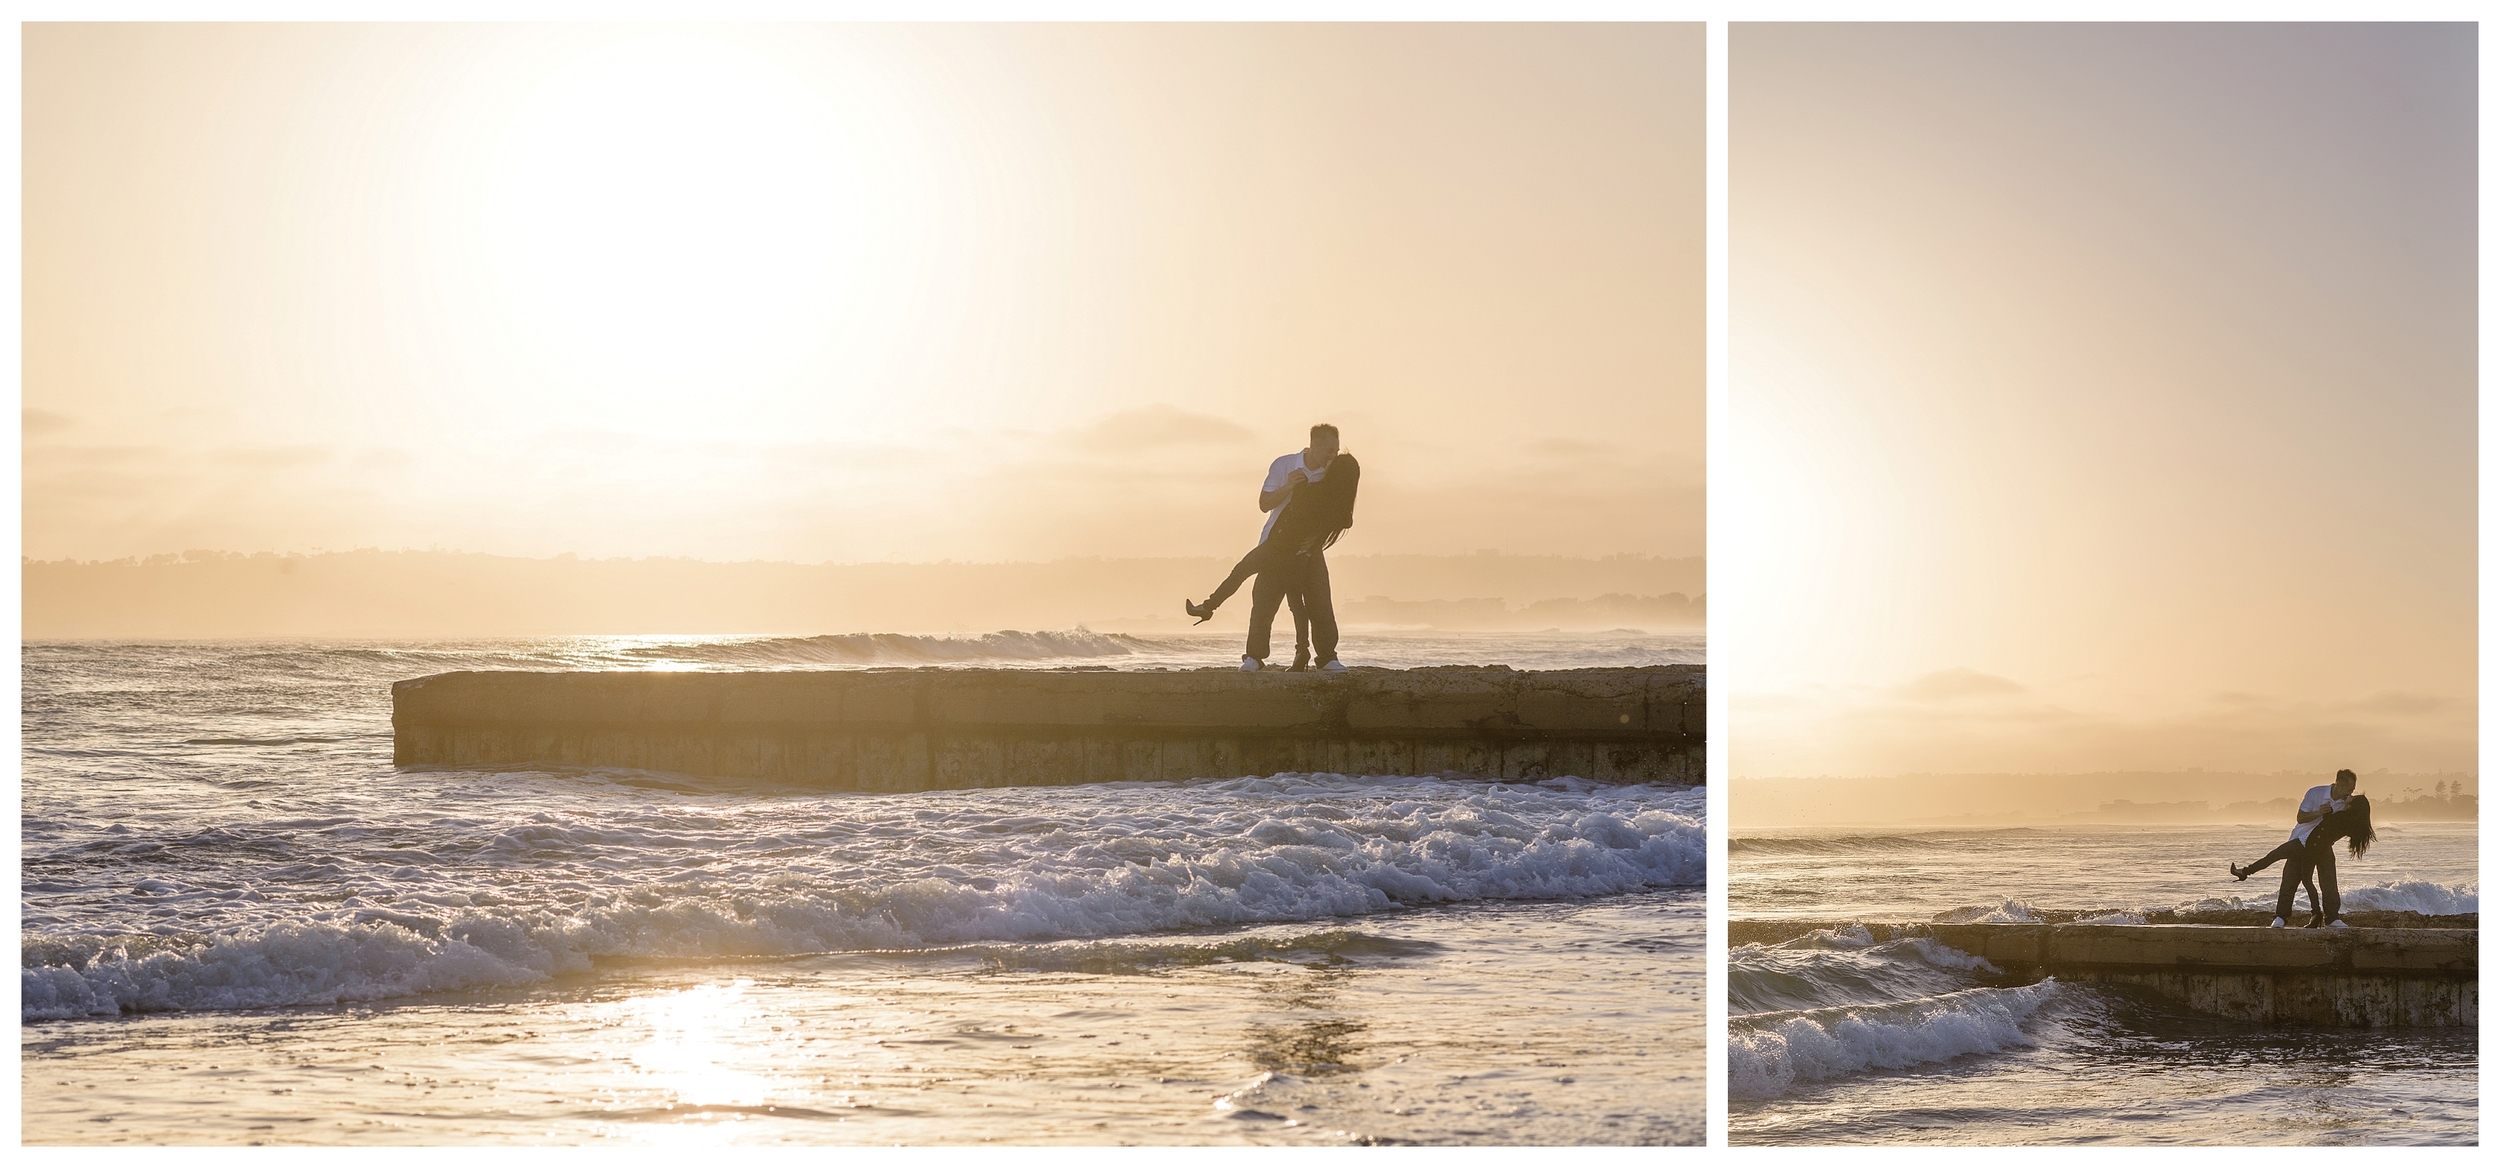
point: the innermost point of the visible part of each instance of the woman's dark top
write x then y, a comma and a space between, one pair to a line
1323, 508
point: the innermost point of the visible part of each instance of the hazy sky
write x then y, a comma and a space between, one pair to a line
2103, 398
857, 293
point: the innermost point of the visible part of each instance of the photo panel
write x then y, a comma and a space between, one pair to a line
662, 585
2103, 726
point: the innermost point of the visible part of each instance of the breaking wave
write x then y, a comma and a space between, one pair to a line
2111, 917
989, 868
897, 649
2422, 896
1880, 843
2427, 897
2010, 912
1844, 967
1768, 1054
1820, 845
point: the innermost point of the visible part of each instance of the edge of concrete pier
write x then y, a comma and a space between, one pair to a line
2345, 978
942, 728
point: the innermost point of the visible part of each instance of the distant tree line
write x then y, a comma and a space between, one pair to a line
2444, 801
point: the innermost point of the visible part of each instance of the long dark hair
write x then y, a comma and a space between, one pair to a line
2352, 824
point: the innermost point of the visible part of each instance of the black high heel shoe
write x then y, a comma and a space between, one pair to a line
1204, 614
2235, 871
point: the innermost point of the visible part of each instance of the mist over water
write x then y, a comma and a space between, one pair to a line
219, 856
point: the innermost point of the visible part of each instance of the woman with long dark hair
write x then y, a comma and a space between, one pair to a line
2350, 823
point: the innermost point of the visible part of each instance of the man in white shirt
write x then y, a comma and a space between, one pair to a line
1289, 472
2299, 860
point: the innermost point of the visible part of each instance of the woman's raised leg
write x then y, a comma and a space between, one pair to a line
2289, 849
1250, 565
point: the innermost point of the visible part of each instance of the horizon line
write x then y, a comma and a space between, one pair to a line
207, 555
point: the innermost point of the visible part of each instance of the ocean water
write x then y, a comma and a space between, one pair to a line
242, 924
1835, 1038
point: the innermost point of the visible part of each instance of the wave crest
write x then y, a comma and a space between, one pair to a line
2423, 896
1768, 1054
1840, 968
2011, 912
1823, 845
897, 649
2428, 897
1271, 868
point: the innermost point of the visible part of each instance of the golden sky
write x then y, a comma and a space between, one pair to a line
2103, 398
846, 293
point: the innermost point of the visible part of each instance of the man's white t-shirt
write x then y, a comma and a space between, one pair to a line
2318, 799
1277, 472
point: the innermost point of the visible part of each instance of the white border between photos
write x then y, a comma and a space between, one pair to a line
1714, 397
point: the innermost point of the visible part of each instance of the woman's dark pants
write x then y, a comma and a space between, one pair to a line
1261, 560
1304, 580
2289, 849
1281, 574
2326, 901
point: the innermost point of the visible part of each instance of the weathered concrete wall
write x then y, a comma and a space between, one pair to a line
2063, 948
2300, 977
2296, 977
928, 729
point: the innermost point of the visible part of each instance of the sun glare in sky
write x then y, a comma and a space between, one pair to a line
856, 292
690, 233
2102, 398
668, 209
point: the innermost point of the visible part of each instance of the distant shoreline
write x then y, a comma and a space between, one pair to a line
377, 594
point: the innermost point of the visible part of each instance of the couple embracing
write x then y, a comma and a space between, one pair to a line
2327, 814
1309, 499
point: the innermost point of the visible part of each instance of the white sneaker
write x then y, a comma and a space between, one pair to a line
1333, 666
2278, 923
1251, 665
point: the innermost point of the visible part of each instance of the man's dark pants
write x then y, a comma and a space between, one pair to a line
1308, 576
2322, 862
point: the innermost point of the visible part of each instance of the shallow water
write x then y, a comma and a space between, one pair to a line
1836, 1038
1420, 1026
242, 924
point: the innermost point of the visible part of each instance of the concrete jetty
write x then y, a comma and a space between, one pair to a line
933, 729
2354, 977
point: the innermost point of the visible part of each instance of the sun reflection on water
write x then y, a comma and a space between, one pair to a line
697, 1059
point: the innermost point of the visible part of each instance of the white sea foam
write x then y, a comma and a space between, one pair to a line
2422, 896
1027, 866
2011, 912
2112, 917
1770, 1054
1859, 937
2211, 904
1851, 937
2429, 897
1816, 974
894, 649
1943, 956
